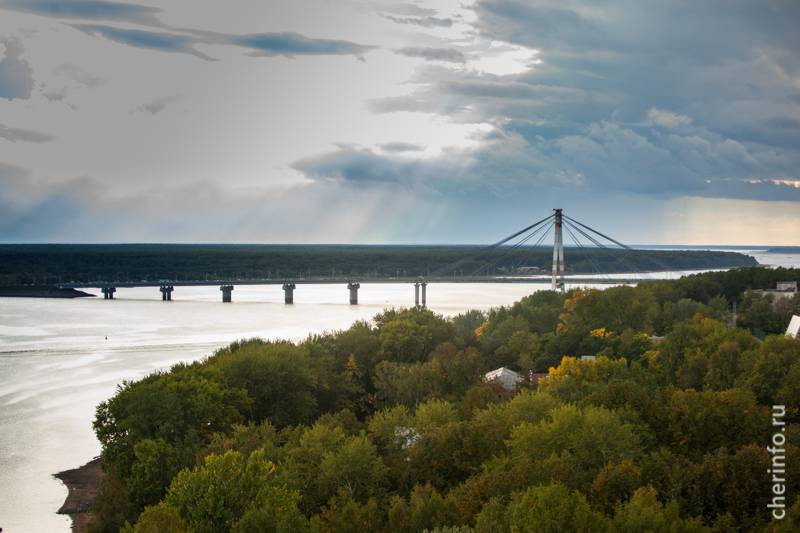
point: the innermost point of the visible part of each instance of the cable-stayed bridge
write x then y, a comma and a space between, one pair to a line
486, 259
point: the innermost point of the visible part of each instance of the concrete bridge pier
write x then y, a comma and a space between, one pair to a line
166, 292
423, 285
288, 293
416, 293
226, 293
108, 292
353, 292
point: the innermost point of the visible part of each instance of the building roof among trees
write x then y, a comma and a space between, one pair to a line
509, 379
793, 330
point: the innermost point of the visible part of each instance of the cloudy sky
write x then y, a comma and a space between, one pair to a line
384, 121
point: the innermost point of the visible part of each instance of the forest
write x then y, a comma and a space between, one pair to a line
389, 426
28, 264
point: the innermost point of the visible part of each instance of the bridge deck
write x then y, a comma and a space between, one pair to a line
343, 281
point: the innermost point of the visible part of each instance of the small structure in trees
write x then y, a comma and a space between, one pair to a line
508, 379
793, 330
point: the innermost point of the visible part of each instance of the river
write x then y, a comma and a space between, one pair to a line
60, 358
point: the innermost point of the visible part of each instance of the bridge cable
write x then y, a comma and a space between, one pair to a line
514, 247
460, 262
661, 264
545, 234
586, 253
632, 268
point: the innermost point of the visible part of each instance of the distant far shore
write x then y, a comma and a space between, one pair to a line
41, 291
83, 484
784, 250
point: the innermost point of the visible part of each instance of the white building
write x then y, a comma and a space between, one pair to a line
793, 330
508, 379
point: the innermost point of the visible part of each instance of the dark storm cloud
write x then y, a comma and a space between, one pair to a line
360, 166
158, 41
603, 158
291, 44
16, 76
659, 99
16, 134
434, 54
86, 10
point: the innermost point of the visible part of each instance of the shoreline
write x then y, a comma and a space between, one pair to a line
43, 293
83, 484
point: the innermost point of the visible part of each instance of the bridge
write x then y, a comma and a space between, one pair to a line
353, 284
557, 279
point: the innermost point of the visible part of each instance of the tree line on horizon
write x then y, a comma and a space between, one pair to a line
389, 426
39, 264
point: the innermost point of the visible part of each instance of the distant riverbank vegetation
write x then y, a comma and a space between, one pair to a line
785, 250
51, 263
388, 426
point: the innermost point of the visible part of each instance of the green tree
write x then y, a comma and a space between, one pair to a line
404, 340
158, 519
355, 467
430, 510
493, 518
453, 371
215, 496
579, 441
699, 422
554, 509
151, 474
281, 379
645, 514
400, 383
614, 484
345, 515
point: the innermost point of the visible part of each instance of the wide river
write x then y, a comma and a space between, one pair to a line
60, 358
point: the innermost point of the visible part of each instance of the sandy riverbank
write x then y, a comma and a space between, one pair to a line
83, 484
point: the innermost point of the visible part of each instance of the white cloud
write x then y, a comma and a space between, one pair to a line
666, 119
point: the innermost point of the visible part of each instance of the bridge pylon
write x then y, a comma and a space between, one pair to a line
558, 255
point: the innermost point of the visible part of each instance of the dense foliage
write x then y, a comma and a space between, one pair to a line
22, 264
389, 426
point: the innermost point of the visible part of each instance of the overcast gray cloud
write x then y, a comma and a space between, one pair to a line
426, 22
16, 75
86, 10
77, 74
451, 55
158, 104
632, 97
287, 44
498, 107
401, 147
21, 135
292, 44
158, 41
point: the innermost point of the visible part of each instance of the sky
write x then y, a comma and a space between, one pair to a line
398, 122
